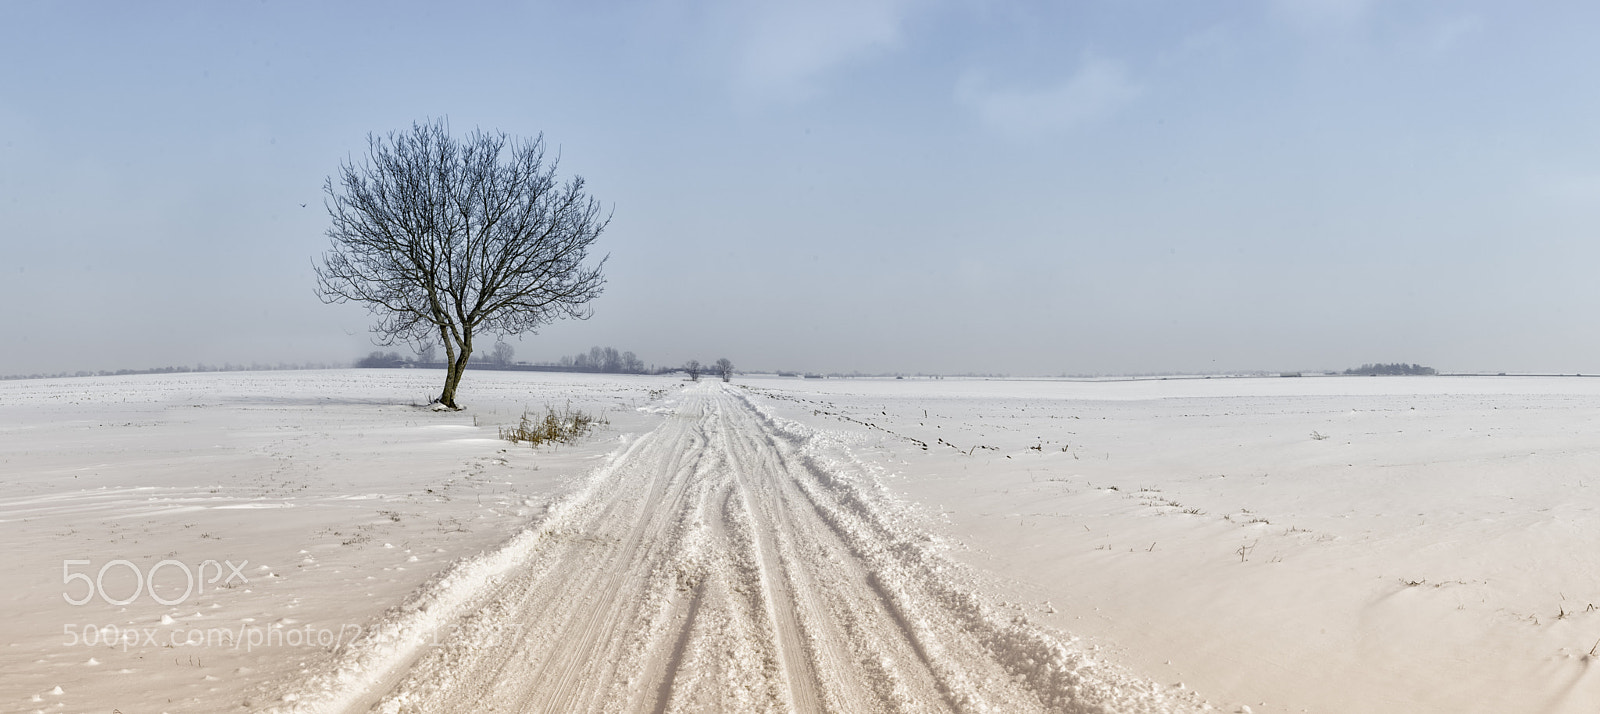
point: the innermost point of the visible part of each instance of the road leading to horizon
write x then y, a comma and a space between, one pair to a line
721, 563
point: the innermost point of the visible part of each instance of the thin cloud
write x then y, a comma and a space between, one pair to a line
785, 48
1453, 33
1098, 89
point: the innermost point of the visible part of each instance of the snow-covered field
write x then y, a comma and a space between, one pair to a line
1420, 544
334, 497
1315, 544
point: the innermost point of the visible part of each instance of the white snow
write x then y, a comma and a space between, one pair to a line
1266, 545
299, 478
1434, 553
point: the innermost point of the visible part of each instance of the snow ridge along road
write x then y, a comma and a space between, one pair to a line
726, 561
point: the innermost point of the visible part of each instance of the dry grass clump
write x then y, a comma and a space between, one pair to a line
562, 427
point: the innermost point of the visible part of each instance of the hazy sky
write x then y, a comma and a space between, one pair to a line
875, 185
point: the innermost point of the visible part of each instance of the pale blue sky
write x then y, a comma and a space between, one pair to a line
875, 185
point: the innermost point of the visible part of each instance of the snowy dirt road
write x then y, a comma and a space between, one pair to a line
732, 561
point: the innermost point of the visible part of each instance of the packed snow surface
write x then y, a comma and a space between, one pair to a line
1331, 544
1265, 545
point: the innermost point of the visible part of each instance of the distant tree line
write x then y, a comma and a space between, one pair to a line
177, 369
1398, 368
381, 359
604, 359
607, 360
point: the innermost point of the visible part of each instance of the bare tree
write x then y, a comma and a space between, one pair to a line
501, 354
692, 367
724, 369
446, 238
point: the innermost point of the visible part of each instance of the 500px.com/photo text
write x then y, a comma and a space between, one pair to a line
249, 637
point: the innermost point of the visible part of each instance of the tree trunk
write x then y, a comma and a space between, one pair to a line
455, 367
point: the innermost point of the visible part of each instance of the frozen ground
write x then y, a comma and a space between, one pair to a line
1319, 544
336, 497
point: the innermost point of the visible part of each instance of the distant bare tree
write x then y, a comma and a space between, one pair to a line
501, 354
446, 238
724, 369
692, 367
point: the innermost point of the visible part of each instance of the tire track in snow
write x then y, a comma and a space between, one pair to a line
730, 561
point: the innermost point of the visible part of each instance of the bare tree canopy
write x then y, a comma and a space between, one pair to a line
724, 369
501, 354
446, 238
